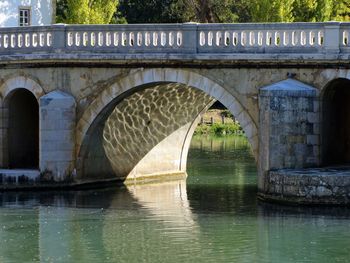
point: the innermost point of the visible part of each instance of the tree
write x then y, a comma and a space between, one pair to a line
86, 11
341, 10
324, 10
208, 11
150, 11
271, 10
304, 10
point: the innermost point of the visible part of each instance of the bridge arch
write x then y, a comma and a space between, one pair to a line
22, 82
166, 75
335, 130
109, 132
20, 123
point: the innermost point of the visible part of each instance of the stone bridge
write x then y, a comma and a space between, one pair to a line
91, 104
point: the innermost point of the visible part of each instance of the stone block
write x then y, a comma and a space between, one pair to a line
316, 150
289, 161
313, 139
57, 135
56, 156
316, 129
316, 106
313, 117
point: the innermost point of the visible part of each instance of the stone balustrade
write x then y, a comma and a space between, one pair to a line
190, 38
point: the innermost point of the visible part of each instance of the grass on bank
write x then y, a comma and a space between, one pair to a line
219, 129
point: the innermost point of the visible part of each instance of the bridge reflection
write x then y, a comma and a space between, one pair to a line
149, 222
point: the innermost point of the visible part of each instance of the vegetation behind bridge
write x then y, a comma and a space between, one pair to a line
201, 11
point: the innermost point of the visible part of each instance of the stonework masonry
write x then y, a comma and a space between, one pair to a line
118, 104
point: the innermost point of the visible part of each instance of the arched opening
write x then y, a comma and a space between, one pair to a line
154, 112
336, 123
23, 130
221, 167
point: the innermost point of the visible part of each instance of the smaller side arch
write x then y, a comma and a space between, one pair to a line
335, 122
7, 90
23, 82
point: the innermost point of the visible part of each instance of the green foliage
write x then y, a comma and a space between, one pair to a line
202, 11
227, 114
151, 11
341, 10
271, 10
219, 129
207, 11
86, 11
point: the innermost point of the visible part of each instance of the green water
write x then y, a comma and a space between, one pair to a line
214, 217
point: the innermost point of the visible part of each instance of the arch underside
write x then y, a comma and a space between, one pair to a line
145, 133
143, 124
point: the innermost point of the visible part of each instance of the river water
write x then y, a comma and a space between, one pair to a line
213, 217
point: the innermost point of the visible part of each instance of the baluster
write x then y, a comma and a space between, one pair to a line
345, 37
132, 39
227, 40
171, 39
13, 41
139, 41
77, 39
92, 39
35, 39
108, 39
277, 39
284, 39
179, 39
295, 38
261, 39
243, 38
69, 39
210, 38
116, 39
20, 40
202, 39
49, 39
147, 38
268, 39
288, 38
41, 39
100, 39
5, 41
218, 38
236, 39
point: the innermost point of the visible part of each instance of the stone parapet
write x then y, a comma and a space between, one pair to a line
185, 39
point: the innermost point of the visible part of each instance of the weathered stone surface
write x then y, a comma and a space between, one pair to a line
290, 110
57, 134
329, 185
285, 131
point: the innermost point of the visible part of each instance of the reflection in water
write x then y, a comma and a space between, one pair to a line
216, 219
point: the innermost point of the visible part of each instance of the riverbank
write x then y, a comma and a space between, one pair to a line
218, 122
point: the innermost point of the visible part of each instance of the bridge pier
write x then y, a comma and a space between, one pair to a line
57, 136
290, 148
